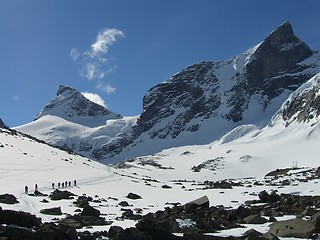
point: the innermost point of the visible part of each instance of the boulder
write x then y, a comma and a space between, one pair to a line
50, 231
255, 219
8, 199
133, 196
22, 219
200, 202
52, 211
296, 228
58, 195
17, 233
90, 211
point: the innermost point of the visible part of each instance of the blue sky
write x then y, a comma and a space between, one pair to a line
119, 49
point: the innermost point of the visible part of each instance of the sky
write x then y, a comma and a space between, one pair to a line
114, 51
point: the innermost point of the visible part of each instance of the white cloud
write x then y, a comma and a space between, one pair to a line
74, 54
16, 98
91, 71
106, 88
104, 40
94, 98
95, 63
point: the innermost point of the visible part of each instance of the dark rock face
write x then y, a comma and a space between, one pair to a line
2, 124
279, 52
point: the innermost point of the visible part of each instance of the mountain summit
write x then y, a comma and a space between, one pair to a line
71, 105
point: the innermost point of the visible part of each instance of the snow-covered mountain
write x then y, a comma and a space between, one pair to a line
73, 122
198, 105
204, 101
72, 106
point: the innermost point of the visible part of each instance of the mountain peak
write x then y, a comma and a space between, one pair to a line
282, 34
71, 105
63, 89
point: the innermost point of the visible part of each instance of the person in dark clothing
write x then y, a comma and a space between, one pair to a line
26, 189
52, 185
58, 184
75, 183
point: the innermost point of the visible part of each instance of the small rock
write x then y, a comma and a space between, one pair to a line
133, 196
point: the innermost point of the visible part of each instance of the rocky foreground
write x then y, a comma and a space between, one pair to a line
187, 222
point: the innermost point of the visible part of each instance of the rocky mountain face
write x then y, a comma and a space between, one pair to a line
71, 105
303, 106
205, 100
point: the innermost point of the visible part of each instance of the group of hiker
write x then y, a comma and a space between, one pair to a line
60, 185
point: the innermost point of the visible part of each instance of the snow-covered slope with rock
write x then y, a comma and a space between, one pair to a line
281, 157
204, 101
73, 122
197, 105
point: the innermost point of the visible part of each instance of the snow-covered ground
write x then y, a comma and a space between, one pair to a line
245, 155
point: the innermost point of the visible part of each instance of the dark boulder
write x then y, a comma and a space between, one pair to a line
90, 211
58, 195
133, 196
296, 228
17, 233
22, 219
52, 211
8, 199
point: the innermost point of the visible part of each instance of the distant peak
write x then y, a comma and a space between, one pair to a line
63, 89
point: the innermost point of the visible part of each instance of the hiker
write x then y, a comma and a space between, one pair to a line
26, 189
62, 185
52, 185
75, 183
36, 187
66, 183
58, 184
69, 183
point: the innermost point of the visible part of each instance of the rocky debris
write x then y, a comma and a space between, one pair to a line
133, 196
52, 211
8, 199
58, 195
